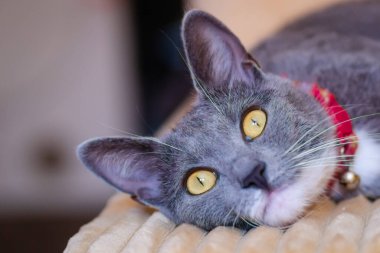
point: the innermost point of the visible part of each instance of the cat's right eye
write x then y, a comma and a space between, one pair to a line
253, 123
200, 181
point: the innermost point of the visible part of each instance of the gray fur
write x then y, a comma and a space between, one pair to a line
210, 134
340, 49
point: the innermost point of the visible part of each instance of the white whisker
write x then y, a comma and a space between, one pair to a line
195, 78
341, 158
333, 126
312, 129
154, 139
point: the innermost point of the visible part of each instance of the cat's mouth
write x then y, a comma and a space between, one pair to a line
284, 205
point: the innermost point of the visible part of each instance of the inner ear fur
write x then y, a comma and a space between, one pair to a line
215, 55
129, 164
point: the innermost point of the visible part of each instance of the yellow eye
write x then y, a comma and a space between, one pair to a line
200, 181
254, 123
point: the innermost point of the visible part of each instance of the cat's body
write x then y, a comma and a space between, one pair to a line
340, 49
273, 177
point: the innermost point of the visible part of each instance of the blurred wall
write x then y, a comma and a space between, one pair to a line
255, 20
64, 78
67, 74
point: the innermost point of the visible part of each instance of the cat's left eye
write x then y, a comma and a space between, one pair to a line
200, 181
253, 123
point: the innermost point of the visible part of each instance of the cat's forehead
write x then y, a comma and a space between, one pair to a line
204, 121
212, 127
202, 133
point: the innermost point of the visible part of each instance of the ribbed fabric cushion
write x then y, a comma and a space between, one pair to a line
125, 226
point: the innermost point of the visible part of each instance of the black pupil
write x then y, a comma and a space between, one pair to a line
200, 181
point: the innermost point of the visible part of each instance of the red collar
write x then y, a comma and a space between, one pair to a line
345, 133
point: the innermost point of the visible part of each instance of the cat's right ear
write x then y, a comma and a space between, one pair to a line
214, 54
129, 164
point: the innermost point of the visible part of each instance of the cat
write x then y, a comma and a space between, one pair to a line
255, 147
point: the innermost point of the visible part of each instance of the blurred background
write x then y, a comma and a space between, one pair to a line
76, 69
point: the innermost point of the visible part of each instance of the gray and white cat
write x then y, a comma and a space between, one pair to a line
214, 170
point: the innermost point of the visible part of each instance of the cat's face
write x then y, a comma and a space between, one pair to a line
241, 156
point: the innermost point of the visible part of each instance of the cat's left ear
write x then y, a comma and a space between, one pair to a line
215, 55
129, 164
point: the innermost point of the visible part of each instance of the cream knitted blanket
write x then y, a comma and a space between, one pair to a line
125, 226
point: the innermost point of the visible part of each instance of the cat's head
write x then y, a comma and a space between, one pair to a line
245, 153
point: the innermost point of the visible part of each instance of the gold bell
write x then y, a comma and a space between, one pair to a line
350, 180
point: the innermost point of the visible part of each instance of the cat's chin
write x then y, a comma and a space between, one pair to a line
279, 208
284, 206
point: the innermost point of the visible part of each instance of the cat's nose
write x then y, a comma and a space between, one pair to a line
257, 177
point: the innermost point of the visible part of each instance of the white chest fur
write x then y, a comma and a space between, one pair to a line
367, 160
